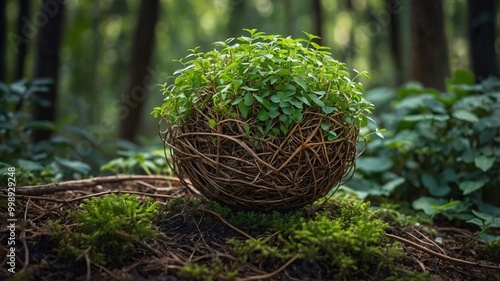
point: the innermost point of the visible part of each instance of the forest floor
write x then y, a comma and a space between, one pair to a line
202, 236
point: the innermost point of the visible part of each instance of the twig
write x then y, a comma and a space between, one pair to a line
75, 184
41, 198
444, 257
269, 275
228, 224
430, 241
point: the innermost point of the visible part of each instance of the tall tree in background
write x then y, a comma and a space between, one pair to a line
22, 48
482, 38
142, 50
395, 44
3, 33
47, 61
318, 21
429, 62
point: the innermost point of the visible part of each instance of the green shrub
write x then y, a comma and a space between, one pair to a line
439, 147
46, 161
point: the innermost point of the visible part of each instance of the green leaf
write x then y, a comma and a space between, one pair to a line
243, 109
304, 100
428, 204
476, 221
249, 89
483, 216
248, 99
332, 135
288, 110
273, 113
301, 83
237, 101
484, 162
212, 123
74, 165
263, 115
316, 100
28, 165
325, 126
328, 109
471, 186
465, 115
374, 164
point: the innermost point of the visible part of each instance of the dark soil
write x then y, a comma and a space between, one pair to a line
201, 237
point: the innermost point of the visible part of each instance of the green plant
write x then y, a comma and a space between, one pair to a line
440, 149
107, 227
135, 162
485, 222
35, 163
269, 78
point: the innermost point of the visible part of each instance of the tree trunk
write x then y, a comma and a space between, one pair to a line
22, 48
429, 53
47, 61
395, 45
3, 33
139, 78
482, 38
318, 21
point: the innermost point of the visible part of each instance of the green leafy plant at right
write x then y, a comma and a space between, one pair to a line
441, 150
107, 227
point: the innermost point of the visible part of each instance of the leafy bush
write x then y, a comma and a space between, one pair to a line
439, 147
106, 228
267, 78
34, 162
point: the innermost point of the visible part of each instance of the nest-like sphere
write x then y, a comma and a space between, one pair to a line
232, 165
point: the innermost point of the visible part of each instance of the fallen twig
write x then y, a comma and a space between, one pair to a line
441, 256
75, 184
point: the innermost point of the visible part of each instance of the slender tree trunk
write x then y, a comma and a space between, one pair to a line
22, 48
482, 38
429, 51
318, 21
138, 82
395, 45
47, 61
3, 34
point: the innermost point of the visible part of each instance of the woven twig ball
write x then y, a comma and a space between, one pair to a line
229, 164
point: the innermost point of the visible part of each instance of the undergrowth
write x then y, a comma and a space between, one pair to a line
334, 240
106, 228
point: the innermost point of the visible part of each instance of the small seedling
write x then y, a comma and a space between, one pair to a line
485, 222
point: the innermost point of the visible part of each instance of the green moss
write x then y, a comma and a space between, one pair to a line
209, 271
106, 228
490, 250
334, 240
337, 245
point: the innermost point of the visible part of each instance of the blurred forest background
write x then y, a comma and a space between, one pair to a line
106, 58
